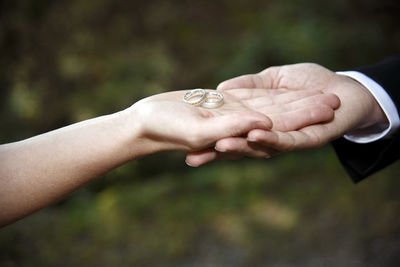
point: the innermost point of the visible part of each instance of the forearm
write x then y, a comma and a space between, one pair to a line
37, 171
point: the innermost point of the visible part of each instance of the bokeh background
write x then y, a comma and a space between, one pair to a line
66, 61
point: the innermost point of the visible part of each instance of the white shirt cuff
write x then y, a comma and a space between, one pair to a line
375, 132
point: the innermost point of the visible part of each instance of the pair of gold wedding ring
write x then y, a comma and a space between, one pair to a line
203, 98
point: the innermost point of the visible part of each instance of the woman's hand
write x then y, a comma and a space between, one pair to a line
165, 122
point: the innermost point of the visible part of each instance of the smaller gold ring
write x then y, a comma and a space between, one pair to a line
214, 99
195, 97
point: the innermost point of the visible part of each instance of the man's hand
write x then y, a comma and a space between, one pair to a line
170, 124
358, 109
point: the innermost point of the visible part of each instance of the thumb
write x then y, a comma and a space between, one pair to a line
244, 81
264, 79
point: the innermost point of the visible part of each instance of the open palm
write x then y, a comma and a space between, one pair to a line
311, 129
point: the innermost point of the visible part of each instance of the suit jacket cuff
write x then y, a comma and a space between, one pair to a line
361, 160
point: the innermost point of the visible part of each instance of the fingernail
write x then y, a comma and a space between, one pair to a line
219, 149
251, 139
187, 163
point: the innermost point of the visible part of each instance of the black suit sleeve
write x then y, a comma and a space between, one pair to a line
361, 160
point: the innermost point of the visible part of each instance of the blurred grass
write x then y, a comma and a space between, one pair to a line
66, 61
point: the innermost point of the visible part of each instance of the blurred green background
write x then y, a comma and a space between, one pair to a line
65, 61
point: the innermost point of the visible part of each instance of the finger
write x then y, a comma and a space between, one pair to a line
198, 158
286, 141
276, 97
233, 124
252, 93
304, 112
240, 145
233, 150
230, 148
297, 119
195, 159
329, 100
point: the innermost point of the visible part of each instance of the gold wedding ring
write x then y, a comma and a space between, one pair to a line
214, 99
195, 97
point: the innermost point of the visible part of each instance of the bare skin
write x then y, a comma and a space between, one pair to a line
40, 170
358, 110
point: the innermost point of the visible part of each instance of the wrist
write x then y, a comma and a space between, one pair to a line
374, 116
139, 141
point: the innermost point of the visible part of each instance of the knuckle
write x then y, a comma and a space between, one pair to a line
291, 145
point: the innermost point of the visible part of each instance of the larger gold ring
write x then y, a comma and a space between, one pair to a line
195, 97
